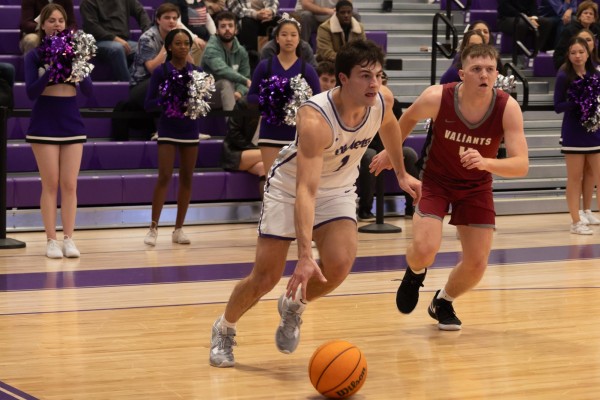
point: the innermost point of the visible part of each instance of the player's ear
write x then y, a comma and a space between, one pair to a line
461, 74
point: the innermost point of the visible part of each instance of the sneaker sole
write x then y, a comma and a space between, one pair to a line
224, 364
452, 327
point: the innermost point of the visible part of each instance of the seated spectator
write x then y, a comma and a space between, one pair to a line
306, 52
228, 63
240, 150
561, 12
7, 81
215, 6
326, 72
483, 28
30, 11
366, 180
108, 22
338, 30
151, 53
256, 17
198, 22
312, 13
586, 17
470, 38
508, 13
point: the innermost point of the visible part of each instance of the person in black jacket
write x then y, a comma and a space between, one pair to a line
240, 152
509, 10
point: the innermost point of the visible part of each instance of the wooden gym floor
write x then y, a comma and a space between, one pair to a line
130, 322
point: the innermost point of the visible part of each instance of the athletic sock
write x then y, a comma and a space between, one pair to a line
445, 296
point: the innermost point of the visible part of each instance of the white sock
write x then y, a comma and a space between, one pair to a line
445, 296
587, 211
299, 300
227, 324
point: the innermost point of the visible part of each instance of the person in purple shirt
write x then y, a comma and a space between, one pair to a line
56, 134
288, 64
175, 134
577, 144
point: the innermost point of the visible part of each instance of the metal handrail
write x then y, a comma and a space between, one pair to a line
461, 7
435, 45
518, 45
511, 69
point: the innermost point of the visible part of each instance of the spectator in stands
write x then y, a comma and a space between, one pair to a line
312, 13
306, 52
326, 72
240, 152
588, 183
228, 62
30, 11
508, 14
7, 81
196, 19
338, 30
561, 12
586, 17
366, 180
287, 64
108, 22
387, 6
214, 6
256, 19
483, 28
151, 53
56, 136
470, 38
578, 145
176, 134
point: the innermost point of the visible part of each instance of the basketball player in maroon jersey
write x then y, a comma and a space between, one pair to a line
469, 120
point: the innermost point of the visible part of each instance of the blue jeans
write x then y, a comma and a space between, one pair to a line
114, 53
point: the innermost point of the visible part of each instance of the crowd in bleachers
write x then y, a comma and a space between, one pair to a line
228, 40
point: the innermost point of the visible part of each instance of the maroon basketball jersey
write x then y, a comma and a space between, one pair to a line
452, 135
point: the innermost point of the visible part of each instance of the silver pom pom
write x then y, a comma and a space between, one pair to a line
505, 83
302, 92
84, 47
200, 89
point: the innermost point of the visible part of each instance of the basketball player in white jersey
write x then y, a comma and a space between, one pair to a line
310, 195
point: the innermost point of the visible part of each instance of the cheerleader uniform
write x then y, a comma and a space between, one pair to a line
171, 130
54, 119
575, 139
279, 135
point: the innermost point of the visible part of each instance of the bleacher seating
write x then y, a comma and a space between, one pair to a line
122, 173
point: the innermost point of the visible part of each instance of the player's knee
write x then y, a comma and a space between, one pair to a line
263, 283
423, 251
337, 272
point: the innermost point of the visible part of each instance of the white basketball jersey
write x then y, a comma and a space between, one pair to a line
341, 160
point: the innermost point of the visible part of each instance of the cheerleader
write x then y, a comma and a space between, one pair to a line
56, 134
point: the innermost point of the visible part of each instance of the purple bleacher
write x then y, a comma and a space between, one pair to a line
209, 153
19, 158
27, 191
106, 95
241, 186
9, 41
543, 65
209, 186
10, 193
489, 16
139, 188
12, 2
10, 16
287, 6
95, 190
119, 155
379, 37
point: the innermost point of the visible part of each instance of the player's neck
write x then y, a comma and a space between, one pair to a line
349, 111
474, 97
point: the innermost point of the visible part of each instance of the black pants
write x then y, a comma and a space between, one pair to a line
545, 29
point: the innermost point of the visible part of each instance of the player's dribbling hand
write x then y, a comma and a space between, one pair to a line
305, 269
379, 163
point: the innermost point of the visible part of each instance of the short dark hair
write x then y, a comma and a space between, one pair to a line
343, 3
325, 67
357, 52
166, 8
224, 15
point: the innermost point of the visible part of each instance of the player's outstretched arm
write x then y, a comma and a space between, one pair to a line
312, 142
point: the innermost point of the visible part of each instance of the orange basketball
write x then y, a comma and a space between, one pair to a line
337, 369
